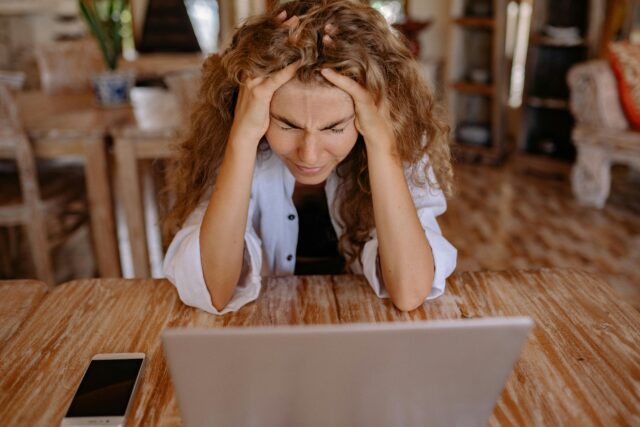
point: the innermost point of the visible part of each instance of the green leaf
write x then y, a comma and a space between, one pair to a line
104, 18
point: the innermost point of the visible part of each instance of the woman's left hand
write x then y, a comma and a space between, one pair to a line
372, 121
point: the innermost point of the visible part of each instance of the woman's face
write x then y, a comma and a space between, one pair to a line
311, 128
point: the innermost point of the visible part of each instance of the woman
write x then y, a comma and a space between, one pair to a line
314, 149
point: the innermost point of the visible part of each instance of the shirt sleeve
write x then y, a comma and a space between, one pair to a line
183, 267
429, 202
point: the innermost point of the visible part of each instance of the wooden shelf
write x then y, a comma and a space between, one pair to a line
548, 61
544, 40
551, 103
473, 88
473, 21
477, 42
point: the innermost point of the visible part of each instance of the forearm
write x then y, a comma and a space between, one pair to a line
406, 259
225, 220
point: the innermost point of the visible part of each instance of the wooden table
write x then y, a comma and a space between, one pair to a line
18, 300
580, 367
71, 126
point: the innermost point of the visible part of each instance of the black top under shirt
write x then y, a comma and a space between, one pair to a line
317, 250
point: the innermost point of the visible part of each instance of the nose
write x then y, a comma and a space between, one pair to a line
309, 150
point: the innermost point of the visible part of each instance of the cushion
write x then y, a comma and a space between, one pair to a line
625, 63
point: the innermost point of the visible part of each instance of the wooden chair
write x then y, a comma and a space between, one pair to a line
49, 204
68, 65
12, 79
602, 135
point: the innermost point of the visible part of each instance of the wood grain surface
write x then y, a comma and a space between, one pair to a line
580, 366
18, 300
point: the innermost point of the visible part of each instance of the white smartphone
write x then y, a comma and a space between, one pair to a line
106, 390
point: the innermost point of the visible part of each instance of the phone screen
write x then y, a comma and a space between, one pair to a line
105, 388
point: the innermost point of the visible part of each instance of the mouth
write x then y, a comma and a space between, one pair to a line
307, 170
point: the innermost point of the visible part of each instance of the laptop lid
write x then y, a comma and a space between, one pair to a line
427, 373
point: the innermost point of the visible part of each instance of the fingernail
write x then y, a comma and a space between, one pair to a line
282, 14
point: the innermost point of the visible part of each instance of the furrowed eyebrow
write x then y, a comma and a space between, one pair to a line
339, 122
286, 121
296, 126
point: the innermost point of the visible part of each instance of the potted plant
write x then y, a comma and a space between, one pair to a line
104, 18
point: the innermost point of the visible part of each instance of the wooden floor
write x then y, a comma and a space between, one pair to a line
501, 220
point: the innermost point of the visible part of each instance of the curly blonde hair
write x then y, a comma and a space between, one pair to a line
365, 49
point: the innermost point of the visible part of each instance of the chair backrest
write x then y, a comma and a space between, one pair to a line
10, 125
13, 79
14, 144
594, 96
68, 65
185, 85
9, 130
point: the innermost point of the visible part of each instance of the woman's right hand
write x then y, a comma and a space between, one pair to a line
251, 118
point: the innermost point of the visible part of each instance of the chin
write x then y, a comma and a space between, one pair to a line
310, 179
305, 178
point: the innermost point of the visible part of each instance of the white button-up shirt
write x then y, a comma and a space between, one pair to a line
271, 238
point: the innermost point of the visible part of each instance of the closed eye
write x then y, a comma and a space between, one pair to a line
331, 130
289, 125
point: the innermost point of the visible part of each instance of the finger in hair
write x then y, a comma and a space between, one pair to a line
291, 22
282, 76
345, 83
327, 40
330, 29
281, 16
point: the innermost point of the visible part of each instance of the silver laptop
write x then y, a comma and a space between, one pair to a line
433, 373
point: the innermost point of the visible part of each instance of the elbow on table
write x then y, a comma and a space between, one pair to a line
221, 282
410, 300
407, 304
220, 295
219, 305
409, 291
